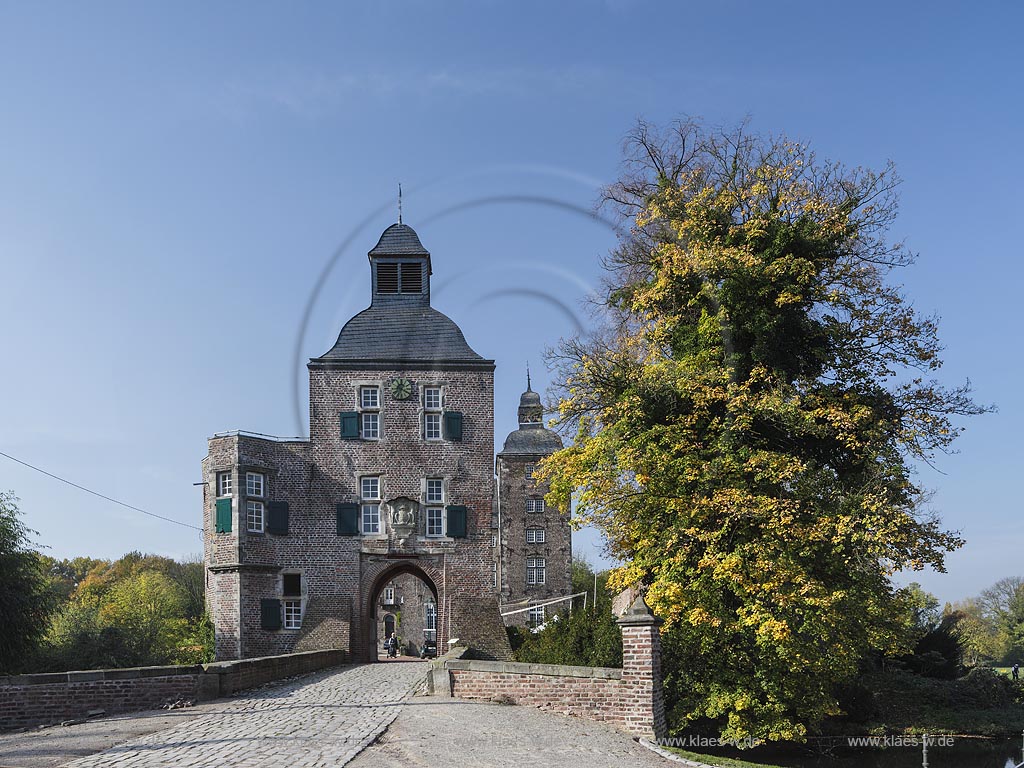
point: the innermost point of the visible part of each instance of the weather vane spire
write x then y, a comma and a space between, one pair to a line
399, 202
528, 389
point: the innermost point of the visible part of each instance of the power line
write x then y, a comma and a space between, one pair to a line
94, 493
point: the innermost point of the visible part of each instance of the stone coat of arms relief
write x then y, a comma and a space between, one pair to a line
403, 519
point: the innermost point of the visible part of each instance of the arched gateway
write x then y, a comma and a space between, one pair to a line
397, 477
405, 600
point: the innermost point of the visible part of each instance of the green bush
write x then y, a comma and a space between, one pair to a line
857, 702
983, 687
587, 638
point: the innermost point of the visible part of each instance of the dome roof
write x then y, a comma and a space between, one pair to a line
396, 334
530, 399
532, 439
399, 240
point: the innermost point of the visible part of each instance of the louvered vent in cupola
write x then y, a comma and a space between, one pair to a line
387, 278
412, 278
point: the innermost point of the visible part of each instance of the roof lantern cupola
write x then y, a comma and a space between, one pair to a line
400, 326
400, 268
532, 438
530, 409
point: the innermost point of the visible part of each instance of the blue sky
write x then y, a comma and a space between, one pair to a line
174, 179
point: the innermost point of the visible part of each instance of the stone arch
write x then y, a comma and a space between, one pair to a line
376, 575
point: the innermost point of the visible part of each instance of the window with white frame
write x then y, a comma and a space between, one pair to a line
389, 595
529, 471
435, 521
535, 570
536, 616
293, 614
291, 591
369, 418
255, 484
370, 426
432, 398
369, 398
534, 535
429, 616
435, 491
494, 540
433, 494
369, 493
494, 573
224, 483
432, 413
535, 506
254, 516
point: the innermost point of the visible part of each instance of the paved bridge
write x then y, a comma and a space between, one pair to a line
327, 719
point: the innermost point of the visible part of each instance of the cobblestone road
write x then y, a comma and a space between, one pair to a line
322, 720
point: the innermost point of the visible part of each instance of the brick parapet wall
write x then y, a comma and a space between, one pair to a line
629, 698
27, 700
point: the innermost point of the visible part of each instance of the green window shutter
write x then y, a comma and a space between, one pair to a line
457, 521
270, 613
453, 426
348, 519
222, 523
350, 425
277, 517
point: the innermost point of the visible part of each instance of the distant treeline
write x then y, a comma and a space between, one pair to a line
138, 610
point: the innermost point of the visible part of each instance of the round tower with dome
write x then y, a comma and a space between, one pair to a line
533, 564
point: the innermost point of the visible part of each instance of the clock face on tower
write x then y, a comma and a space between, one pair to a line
401, 389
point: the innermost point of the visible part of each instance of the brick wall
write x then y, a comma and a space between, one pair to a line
27, 700
50, 698
591, 692
239, 675
629, 698
556, 549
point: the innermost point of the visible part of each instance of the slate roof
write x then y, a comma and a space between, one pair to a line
532, 439
396, 333
399, 240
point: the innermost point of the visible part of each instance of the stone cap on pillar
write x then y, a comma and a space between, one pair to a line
640, 615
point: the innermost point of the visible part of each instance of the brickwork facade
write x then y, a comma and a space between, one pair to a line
534, 553
397, 478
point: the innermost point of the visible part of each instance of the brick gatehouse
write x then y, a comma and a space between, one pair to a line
302, 537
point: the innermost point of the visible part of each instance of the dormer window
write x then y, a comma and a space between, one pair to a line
404, 277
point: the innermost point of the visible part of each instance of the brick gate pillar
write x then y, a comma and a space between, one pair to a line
643, 703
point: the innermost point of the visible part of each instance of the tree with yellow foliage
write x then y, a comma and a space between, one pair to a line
747, 423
